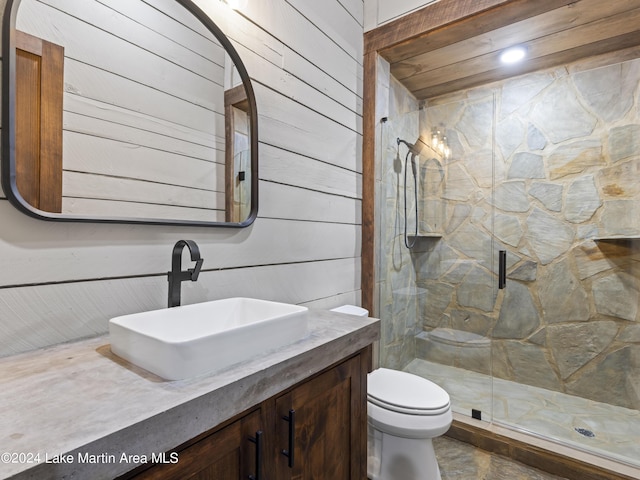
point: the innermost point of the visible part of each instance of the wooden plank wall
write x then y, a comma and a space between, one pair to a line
63, 281
379, 12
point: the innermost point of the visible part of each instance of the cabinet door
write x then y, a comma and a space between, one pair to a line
228, 454
329, 434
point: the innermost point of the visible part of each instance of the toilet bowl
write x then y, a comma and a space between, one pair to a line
405, 412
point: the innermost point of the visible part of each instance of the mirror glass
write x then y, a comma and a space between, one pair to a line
126, 111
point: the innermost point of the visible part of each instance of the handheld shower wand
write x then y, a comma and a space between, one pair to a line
415, 149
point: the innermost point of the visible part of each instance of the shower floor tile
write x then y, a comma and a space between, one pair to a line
597, 427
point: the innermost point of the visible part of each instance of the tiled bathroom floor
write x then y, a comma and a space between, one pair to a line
461, 461
584, 424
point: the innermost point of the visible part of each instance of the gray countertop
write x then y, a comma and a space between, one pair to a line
80, 403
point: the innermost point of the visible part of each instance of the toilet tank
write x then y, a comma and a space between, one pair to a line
352, 310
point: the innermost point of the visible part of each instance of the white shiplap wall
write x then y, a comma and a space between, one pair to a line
379, 12
63, 281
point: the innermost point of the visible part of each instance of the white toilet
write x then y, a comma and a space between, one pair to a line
405, 412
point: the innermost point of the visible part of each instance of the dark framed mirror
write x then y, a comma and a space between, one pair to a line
126, 111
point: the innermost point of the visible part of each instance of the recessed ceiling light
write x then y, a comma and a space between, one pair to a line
513, 55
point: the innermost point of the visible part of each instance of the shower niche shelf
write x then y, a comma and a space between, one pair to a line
423, 242
425, 236
617, 238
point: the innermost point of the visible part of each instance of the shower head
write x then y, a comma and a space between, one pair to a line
416, 148
419, 146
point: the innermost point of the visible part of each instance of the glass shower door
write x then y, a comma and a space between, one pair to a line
565, 359
458, 270
438, 298
397, 289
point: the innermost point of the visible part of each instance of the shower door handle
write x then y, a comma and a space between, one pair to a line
502, 269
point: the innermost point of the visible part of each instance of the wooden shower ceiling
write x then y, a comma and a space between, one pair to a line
464, 54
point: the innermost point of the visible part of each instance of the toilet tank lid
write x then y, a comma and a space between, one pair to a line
352, 310
406, 390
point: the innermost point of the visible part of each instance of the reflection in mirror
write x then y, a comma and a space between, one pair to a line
129, 110
237, 158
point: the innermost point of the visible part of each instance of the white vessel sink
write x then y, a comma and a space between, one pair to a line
182, 342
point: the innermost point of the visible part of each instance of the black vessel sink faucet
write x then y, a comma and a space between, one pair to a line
176, 275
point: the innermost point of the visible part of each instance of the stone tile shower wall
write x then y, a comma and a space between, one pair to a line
544, 166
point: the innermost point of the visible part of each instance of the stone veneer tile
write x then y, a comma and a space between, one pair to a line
630, 334
459, 185
435, 263
617, 295
527, 166
574, 345
476, 123
591, 260
474, 243
434, 303
459, 214
620, 217
510, 134
609, 90
575, 157
550, 194
507, 228
624, 142
482, 167
614, 379
535, 138
457, 271
469, 321
620, 180
582, 200
548, 236
561, 294
477, 291
511, 197
531, 366
527, 271
587, 232
560, 115
442, 114
518, 316
520, 91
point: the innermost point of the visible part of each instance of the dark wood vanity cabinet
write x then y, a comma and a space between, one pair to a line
328, 437
230, 452
316, 430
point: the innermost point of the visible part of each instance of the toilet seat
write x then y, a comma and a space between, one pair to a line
405, 393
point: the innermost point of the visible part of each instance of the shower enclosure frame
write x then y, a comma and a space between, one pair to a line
456, 18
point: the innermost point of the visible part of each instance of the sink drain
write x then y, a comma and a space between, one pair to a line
585, 432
